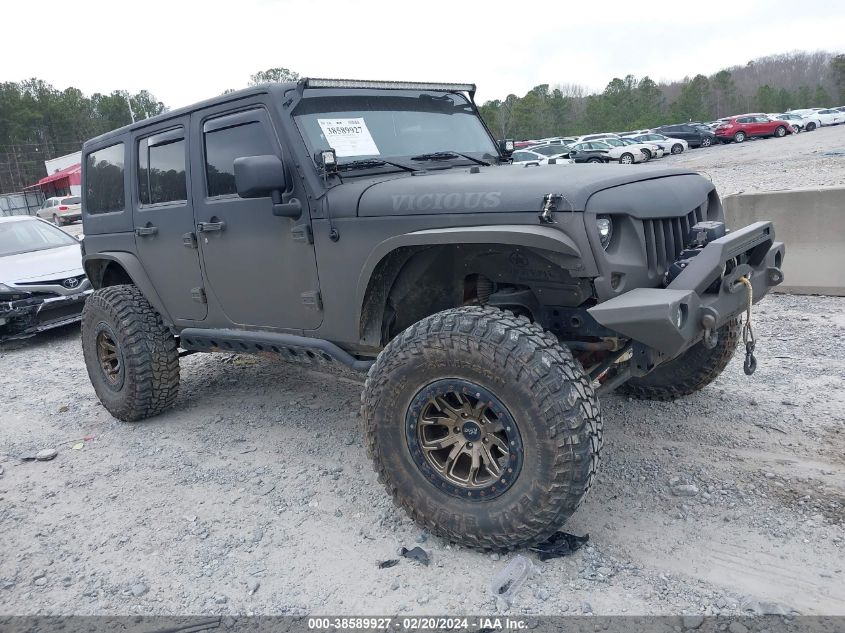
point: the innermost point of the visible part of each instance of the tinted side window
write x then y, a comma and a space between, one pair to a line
104, 180
161, 172
223, 146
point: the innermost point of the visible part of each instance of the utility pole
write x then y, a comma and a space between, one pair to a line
129, 105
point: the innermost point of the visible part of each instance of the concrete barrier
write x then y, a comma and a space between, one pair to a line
811, 222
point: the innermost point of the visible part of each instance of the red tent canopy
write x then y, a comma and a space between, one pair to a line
72, 173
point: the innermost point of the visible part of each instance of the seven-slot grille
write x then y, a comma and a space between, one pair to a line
665, 238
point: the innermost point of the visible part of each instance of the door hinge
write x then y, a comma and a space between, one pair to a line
302, 233
198, 295
189, 239
312, 299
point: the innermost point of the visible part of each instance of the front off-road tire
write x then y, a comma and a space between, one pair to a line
690, 372
478, 356
131, 357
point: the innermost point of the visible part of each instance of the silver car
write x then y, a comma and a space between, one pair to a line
61, 210
42, 283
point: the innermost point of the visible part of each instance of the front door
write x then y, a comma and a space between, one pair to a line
258, 269
164, 220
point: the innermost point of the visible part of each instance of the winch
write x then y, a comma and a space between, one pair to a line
700, 235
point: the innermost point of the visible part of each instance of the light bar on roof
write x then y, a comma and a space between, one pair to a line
387, 85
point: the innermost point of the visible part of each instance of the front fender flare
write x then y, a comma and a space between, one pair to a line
136, 273
543, 238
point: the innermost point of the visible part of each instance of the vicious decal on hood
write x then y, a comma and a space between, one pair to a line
449, 201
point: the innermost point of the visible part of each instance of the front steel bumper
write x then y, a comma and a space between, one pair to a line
704, 296
27, 317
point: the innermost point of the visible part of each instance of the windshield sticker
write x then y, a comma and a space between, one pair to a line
349, 137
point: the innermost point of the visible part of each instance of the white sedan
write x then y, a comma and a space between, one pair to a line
622, 153
653, 151
801, 122
530, 157
669, 145
42, 284
825, 116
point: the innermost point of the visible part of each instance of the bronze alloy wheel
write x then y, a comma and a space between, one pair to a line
463, 439
109, 356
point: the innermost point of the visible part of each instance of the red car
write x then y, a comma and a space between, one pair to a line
739, 128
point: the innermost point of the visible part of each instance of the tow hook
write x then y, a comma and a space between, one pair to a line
750, 364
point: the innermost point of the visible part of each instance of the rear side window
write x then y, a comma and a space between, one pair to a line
161, 171
223, 146
104, 180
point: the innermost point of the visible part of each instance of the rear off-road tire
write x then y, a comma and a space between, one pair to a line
484, 355
690, 372
131, 357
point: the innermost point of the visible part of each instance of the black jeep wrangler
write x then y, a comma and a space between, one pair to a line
379, 226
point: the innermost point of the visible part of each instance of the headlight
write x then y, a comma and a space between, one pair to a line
605, 227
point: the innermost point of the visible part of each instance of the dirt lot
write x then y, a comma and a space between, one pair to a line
254, 494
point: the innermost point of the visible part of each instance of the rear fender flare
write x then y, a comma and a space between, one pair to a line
95, 264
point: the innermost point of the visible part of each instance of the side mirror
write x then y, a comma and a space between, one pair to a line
259, 176
262, 176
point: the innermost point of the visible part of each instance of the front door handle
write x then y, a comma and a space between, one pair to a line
210, 227
146, 230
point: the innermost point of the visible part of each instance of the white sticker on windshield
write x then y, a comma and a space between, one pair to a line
349, 137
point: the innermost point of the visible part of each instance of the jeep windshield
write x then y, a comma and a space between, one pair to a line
390, 131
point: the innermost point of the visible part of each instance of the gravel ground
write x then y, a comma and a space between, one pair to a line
254, 494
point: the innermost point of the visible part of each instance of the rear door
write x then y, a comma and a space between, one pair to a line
163, 218
261, 268
746, 124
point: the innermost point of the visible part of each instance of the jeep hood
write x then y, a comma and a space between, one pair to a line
513, 188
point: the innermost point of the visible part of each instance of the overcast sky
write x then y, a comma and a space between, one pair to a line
184, 51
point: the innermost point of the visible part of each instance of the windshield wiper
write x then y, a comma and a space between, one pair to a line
371, 162
447, 155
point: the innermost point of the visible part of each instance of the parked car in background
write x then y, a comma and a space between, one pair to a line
61, 210
795, 120
669, 145
651, 150
740, 128
531, 157
42, 284
595, 137
623, 154
584, 155
831, 116
825, 116
616, 141
694, 136
551, 150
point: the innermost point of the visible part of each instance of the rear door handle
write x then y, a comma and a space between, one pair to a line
210, 227
146, 230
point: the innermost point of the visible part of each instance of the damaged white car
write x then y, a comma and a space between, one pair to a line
42, 284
